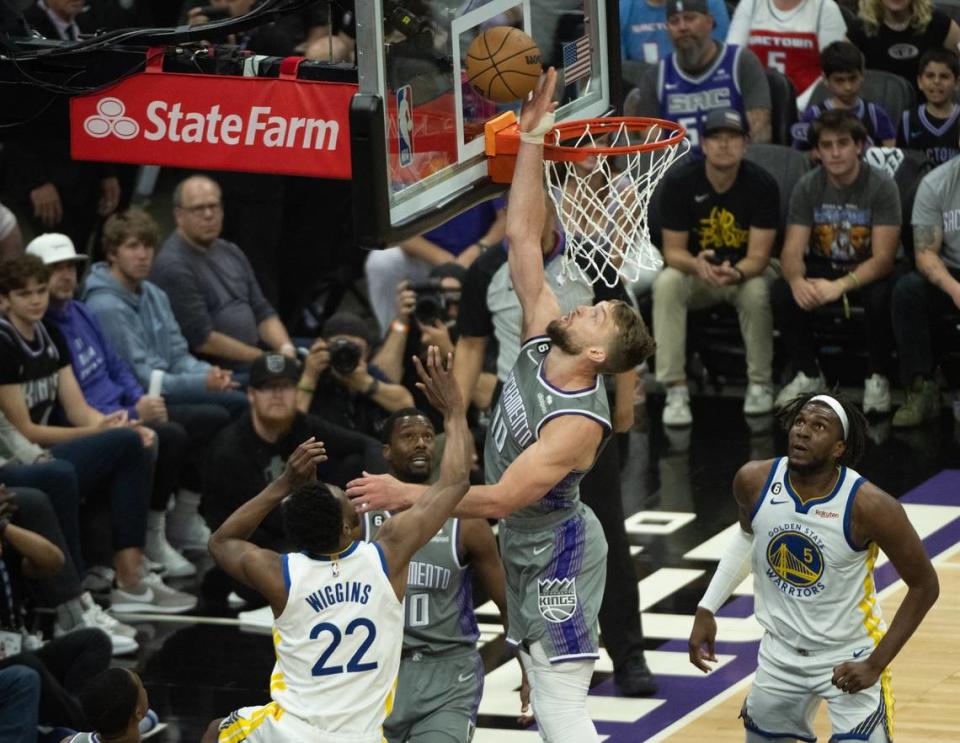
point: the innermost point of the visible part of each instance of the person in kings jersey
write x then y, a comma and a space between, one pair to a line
547, 428
337, 603
810, 529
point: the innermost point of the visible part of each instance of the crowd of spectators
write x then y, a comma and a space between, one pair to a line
151, 383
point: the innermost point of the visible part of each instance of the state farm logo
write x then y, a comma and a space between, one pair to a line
110, 119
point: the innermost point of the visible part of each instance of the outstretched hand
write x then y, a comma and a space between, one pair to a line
540, 102
437, 382
302, 465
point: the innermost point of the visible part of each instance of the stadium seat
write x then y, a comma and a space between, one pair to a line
950, 7
783, 106
891, 91
786, 165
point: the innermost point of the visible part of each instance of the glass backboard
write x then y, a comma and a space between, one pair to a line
417, 124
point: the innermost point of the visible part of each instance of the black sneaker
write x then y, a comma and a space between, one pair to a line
634, 679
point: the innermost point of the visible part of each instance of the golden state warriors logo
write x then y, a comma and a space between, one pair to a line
795, 559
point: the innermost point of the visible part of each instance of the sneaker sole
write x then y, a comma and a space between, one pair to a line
121, 648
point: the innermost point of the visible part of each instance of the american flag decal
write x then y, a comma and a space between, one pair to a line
576, 59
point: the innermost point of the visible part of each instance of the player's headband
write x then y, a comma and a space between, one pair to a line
836, 407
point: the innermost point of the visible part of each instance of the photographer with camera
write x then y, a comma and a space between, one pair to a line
339, 384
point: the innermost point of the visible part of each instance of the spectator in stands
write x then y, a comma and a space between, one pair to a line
929, 292
108, 385
137, 317
718, 232
105, 452
843, 69
702, 75
252, 451
63, 663
460, 239
60, 593
787, 35
341, 385
643, 28
19, 703
11, 241
934, 126
894, 34
489, 310
843, 230
212, 288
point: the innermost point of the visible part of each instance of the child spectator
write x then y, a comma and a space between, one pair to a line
934, 126
843, 67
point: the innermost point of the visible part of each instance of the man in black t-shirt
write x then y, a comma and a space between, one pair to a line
719, 222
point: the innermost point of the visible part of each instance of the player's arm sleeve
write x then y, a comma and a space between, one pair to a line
740, 23
753, 82
734, 567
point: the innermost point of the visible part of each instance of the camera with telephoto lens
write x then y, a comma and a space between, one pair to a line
344, 355
433, 301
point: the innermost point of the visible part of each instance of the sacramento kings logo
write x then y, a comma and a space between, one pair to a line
557, 599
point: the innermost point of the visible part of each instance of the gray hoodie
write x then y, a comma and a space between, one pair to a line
142, 327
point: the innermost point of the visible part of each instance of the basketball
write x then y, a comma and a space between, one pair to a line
503, 64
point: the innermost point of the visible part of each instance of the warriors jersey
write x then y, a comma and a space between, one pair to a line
937, 137
814, 586
687, 99
528, 401
439, 598
338, 642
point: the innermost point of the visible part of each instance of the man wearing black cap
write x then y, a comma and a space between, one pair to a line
702, 75
719, 225
340, 384
252, 451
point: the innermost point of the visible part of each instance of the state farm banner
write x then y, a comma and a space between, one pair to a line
255, 124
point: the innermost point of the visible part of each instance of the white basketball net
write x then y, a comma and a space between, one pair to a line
602, 202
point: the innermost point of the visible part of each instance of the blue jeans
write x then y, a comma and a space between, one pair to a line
111, 469
19, 703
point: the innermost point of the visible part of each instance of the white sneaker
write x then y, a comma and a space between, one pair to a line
800, 385
676, 411
876, 394
186, 529
150, 595
758, 400
87, 613
158, 549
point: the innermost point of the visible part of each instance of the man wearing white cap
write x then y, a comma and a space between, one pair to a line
109, 385
810, 530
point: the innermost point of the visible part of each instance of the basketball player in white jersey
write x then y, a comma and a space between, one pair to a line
810, 529
337, 603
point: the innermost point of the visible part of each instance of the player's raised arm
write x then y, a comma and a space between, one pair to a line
407, 532
527, 211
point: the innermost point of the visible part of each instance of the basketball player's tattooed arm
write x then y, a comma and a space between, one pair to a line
527, 215
407, 532
734, 565
927, 241
246, 562
879, 518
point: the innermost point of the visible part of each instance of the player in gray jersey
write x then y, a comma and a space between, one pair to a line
549, 424
441, 672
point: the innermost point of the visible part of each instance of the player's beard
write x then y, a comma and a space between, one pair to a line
560, 337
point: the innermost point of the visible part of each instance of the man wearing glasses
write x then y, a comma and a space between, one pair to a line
212, 288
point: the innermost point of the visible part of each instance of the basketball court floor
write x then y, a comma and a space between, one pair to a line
677, 500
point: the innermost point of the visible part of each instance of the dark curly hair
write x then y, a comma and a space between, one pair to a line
312, 519
109, 700
856, 439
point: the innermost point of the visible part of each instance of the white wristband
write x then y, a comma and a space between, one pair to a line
733, 568
535, 135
